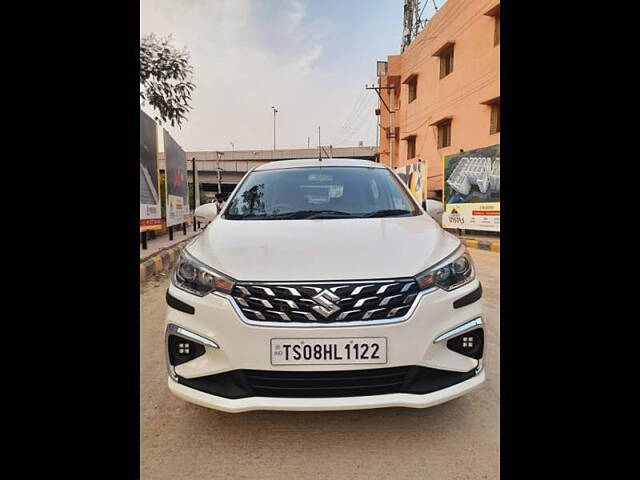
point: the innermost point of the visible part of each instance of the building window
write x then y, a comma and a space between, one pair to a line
413, 89
411, 147
446, 62
495, 118
496, 32
444, 134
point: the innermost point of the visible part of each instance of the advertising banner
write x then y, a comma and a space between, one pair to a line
413, 175
150, 210
177, 201
472, 189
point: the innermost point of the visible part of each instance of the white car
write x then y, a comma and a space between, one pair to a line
323, 285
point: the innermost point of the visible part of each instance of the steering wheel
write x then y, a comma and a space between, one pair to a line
287, 207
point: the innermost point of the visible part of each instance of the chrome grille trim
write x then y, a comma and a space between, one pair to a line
282, 315
383, 288
266, 290
406, 287
297, 324
263, 301
357, 290
344, 315
386, 300
243, 290
309, 315
291, 290
369, 313
256, 313
335, 289
241, 301
394, 311
409, 298
289, 303
362, 301
325, 303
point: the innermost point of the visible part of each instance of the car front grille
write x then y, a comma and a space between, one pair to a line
321, 384
325, 302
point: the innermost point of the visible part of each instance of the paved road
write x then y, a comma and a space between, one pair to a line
456, 440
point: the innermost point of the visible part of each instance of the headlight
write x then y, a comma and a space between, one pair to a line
453, 272
195, 277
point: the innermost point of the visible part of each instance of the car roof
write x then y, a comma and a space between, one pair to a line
314, 162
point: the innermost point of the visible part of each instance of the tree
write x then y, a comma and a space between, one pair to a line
165, 79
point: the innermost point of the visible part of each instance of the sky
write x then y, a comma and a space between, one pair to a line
310, 59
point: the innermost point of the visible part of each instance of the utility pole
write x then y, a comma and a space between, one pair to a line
308, 140
220, 154
391, 110
392, 129
233, 155
319, 148
378, 126
275, 110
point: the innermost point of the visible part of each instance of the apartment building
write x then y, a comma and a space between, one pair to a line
443, 90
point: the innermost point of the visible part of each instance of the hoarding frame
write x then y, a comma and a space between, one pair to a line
150, 213
474, 171
176, 173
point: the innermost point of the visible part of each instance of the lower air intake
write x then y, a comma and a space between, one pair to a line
322, 384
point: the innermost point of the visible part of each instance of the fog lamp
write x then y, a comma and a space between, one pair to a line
182, 350
470, 344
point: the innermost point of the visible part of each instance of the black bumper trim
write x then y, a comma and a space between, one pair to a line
173, 302
237, 384
469, 298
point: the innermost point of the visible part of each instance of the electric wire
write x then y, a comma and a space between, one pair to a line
353, 117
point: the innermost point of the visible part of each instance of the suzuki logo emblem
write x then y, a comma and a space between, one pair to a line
325, 306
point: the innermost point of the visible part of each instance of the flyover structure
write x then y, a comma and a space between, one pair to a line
234, 165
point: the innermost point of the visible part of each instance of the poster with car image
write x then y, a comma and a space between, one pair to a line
413, 175
472, 189
150, 209
177, 205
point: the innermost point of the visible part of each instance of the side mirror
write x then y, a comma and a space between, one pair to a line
434, 208
206, 212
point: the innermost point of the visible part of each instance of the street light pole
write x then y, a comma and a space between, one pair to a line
275, 110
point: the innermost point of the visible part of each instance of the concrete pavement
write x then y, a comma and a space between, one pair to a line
456, 440
162, 242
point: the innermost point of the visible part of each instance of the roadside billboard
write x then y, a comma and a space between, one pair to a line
177, 201
471, 189
413, 175
150, 210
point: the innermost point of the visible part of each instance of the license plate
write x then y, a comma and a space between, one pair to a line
328, 351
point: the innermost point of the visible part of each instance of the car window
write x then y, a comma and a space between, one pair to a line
310, 192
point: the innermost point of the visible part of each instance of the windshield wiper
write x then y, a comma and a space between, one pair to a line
309, 214
388, 213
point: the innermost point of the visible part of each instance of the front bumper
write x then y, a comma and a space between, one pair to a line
242, 346
334, 403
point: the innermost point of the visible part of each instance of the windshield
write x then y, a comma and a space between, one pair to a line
323, 192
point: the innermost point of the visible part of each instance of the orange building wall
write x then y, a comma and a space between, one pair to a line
475, 79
